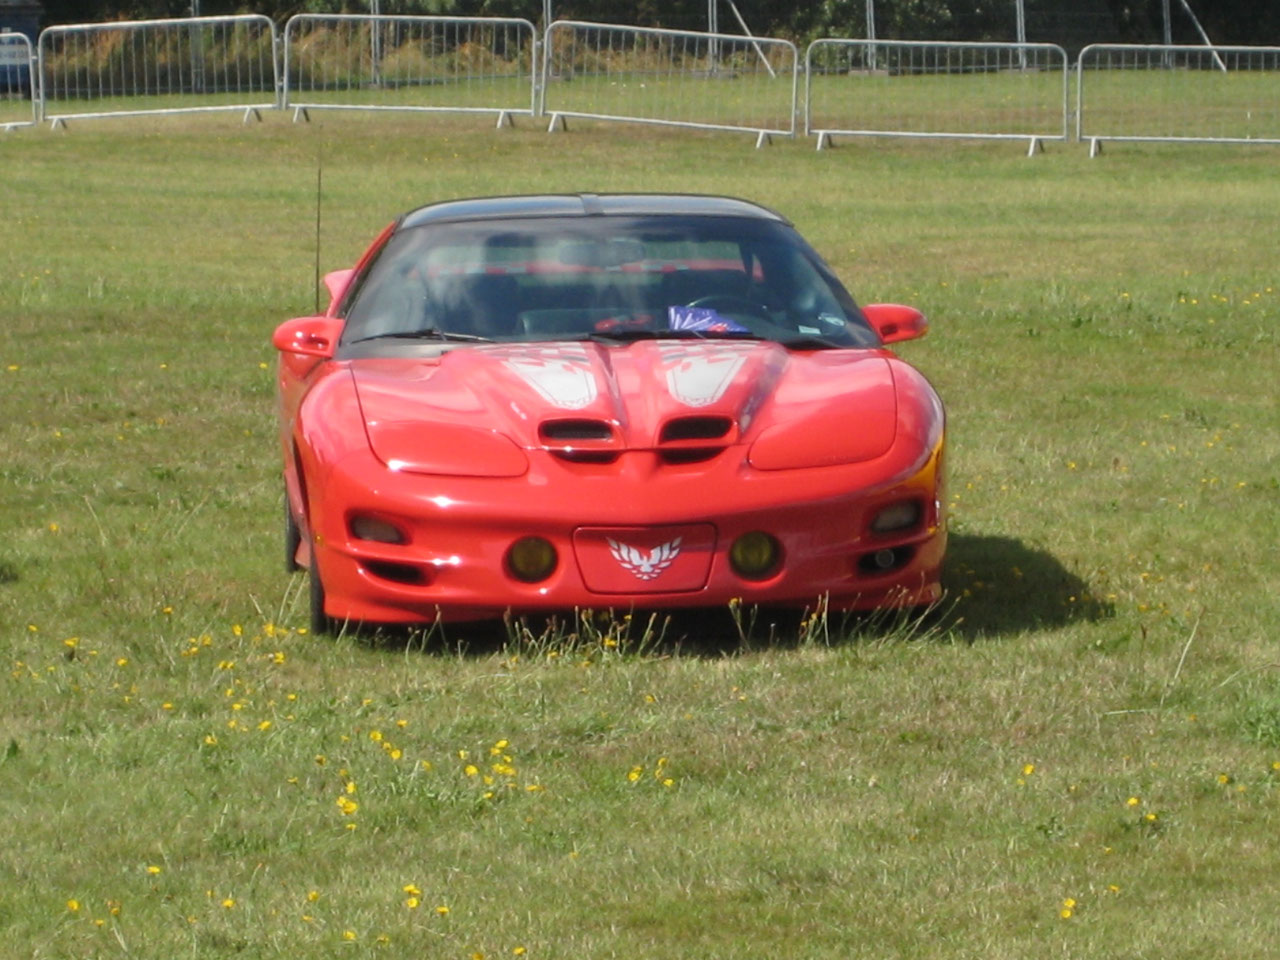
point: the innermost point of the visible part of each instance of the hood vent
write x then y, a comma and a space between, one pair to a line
566, 431
695, 428
694, 439
580, 441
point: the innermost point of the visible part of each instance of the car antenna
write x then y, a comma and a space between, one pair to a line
319, 181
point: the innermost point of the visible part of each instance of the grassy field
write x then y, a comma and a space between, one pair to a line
1079, 756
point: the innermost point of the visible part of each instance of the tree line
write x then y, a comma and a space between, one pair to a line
1253, 22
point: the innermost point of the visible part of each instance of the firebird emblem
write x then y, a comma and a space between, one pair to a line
645, 566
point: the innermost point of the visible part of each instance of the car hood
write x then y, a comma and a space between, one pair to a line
479, 411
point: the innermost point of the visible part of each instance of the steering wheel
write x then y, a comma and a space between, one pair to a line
729, 303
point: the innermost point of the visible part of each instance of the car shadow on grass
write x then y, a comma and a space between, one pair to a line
998, 586
994, 586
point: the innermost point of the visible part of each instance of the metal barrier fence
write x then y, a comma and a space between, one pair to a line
192, 65
905, 88
455, 64
18, 100
1178, 93
708, 81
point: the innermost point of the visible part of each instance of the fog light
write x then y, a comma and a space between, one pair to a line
897, 516
364, 527
531, 559
754, 555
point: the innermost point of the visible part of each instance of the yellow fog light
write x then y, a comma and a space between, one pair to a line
531, 559
754, 555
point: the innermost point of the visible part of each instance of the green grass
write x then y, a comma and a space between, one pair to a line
1104, 336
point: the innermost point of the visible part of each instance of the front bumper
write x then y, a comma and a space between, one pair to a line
457, 531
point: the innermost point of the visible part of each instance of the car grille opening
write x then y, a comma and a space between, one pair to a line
586, 456
681, 455
396, 572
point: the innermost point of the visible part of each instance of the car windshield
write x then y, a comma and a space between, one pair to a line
606, 277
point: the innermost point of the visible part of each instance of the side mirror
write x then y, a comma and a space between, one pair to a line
895, 322
308, 336
336, 282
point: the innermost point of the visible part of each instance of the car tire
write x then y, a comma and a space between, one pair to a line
292, 538
320, 623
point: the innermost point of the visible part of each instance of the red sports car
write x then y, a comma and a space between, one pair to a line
544, 403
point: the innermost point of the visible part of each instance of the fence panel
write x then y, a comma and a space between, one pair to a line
903, 88
198, 64
677, 78
1178, 93
456, 64
17, 92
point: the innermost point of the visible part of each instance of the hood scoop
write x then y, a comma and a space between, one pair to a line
580, 440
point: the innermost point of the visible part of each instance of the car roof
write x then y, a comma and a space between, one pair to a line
588, 205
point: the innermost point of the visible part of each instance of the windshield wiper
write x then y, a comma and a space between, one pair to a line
430, 333
811, 341
629, 336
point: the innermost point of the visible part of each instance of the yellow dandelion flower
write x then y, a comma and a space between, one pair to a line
411, 889
228, 903
210, 740
1066, 913
153, 870
412, 903
1069, 903
1028, 769
442, 910
73, 906
265, 725
308, 918
1224, 778
348, 935
1150, 818
375, 736
518, 951
350, 788
1132, 802
382, 939
395, 753
635, 773
470, 770
313, 896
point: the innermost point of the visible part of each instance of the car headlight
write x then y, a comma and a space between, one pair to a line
897, 516
366, 527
